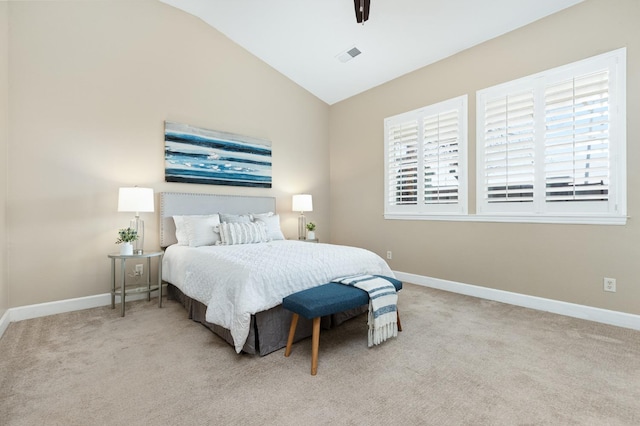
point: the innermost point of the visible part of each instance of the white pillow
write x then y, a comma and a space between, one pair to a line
242, 233
234, 218
273, 226
200, 230
255, 216
181, 231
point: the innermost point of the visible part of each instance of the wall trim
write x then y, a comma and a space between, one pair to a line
4, 322
620, 319
22, 313
61, 306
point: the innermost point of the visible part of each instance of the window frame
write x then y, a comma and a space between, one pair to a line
612, 211
422, 210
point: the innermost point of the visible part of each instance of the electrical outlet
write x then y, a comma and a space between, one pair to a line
139, 269
389, 255
609, 284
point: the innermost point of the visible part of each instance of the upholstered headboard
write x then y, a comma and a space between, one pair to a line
178, 203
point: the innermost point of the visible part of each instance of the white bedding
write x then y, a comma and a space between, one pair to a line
240, 280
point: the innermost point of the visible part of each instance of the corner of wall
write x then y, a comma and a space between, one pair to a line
4, 136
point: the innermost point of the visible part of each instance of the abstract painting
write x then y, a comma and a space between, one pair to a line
196, 155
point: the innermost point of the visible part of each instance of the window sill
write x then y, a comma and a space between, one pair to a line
576, 220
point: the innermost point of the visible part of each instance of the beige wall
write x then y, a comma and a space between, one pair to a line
91, 84
4, 108
562, 262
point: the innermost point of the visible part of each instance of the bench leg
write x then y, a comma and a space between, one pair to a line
398, 319
315, 344
292, 332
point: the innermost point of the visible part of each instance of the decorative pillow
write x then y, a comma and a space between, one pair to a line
273, 226
242, 233
200, 230
255, 216
234, 218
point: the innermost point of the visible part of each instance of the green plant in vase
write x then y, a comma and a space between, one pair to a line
311, 228
125, 237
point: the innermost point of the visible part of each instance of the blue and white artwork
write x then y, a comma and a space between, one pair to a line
195, 155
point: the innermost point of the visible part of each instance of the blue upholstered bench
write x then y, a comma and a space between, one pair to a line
326, 299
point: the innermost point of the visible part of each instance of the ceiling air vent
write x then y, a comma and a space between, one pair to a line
349, 54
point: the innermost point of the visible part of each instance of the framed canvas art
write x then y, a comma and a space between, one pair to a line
196, 155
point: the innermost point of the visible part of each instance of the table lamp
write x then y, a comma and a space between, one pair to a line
135, 199
302, 203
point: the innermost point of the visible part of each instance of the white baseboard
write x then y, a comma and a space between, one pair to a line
61, 306
604, 316
58, 307
4, 322
620, 319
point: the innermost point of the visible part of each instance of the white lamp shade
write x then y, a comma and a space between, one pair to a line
135, 199
302, 203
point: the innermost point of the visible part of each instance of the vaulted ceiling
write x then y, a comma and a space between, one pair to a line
308, 40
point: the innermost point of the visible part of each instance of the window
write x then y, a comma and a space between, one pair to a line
551, 147
425, 161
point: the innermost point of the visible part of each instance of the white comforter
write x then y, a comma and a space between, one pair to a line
238, 281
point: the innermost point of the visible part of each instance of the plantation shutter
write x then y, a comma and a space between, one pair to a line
552, 146
441, 158
576, 145
425, 161
403, 163
509, 148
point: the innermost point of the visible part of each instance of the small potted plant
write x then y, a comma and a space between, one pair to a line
125, 237
311, 231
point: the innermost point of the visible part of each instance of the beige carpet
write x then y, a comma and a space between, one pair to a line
458, 361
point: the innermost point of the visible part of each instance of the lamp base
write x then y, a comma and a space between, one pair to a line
137, 224
302, 226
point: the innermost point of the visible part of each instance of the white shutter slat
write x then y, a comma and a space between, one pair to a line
441, 157
403, 163
576, 139
509, 148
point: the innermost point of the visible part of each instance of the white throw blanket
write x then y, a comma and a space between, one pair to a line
383, 311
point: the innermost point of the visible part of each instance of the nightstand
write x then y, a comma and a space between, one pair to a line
147, 288
315, 240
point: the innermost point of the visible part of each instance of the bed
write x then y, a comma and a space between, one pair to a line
236, 290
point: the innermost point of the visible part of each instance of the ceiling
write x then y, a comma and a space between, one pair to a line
303, 39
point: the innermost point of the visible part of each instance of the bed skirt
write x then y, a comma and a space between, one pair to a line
269, 329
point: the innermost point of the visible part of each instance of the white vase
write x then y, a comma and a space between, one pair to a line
126, 249
311, 235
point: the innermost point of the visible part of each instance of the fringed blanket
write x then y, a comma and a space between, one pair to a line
383, 312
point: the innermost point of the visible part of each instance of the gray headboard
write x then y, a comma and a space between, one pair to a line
178, 203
